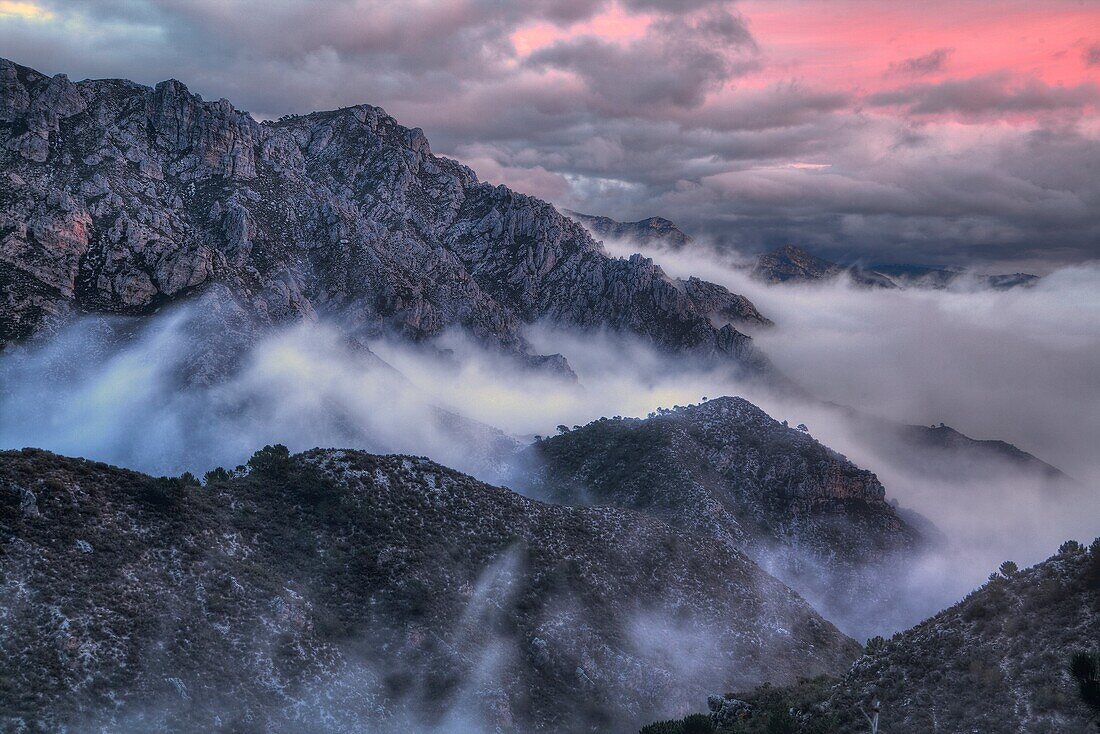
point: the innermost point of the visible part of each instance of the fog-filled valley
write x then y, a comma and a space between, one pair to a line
1016, 365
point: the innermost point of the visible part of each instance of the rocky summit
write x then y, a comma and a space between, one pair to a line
727, 470
119, 198
339, 591
650, 232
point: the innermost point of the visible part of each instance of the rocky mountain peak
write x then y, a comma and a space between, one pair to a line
649, 232
119, 198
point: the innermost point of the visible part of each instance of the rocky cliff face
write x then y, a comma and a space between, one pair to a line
340, 591
722, 306
117, 198
726, 470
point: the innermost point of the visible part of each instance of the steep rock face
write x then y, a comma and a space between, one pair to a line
118, 198
722, 305
341, 591
727, 470
654, 231
996, 662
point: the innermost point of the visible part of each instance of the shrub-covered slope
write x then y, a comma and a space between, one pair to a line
727, 470
998, 662
334, 590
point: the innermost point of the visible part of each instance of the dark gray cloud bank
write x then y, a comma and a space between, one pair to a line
925, 168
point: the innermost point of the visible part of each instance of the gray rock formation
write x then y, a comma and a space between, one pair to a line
118, 198
722, 306
338, 591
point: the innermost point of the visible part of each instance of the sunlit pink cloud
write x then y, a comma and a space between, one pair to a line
612, 24
852, 43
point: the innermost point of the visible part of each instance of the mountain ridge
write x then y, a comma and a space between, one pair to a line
334, 589
120, 198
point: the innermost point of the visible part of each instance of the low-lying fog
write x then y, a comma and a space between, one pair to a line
1020, 365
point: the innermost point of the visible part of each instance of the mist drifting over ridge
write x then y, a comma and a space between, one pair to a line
910, 356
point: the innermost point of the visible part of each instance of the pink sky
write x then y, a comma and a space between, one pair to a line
850, 44
934, 129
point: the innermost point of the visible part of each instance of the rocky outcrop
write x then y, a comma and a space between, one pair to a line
723, 306
652, 232
344, 592
790, 264
118, 198
726, 470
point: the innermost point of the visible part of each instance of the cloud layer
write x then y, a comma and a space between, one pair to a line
950, 133
1020, 365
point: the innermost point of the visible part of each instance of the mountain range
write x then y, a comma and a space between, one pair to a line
640, 565
791, 264
794, 264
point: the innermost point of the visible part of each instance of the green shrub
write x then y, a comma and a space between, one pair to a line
270, 459
1092, 570
874, 645
1069, 548
697, 724
217, 475
780, 721
163, 493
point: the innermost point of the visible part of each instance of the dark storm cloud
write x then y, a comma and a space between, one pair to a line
993, 93
677, 62
929, 63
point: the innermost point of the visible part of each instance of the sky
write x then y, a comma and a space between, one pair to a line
939, 132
